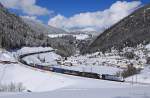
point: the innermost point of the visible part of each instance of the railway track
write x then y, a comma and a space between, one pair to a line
39, 52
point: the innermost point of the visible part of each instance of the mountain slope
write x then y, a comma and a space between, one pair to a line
131, 31
40, 27
14, 33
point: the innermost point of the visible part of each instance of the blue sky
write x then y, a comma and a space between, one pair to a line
71, 7
69, 14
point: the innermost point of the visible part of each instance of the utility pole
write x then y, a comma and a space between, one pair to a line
83, 69
91, 68
132, 80
136, 78
144, 17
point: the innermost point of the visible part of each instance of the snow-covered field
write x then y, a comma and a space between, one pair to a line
89, 93
32, 80
55, 85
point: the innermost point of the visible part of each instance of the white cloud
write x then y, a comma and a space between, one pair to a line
32, 18
27, 6
95, 20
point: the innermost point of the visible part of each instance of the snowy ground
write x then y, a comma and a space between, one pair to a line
90, 88
90, 93
55, 85
32, 79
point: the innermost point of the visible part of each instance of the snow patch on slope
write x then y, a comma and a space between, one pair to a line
77, 36
44, 58
26, 50
6, 56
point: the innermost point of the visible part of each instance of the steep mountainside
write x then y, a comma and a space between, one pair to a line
14, 33
130, 31
40, 27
